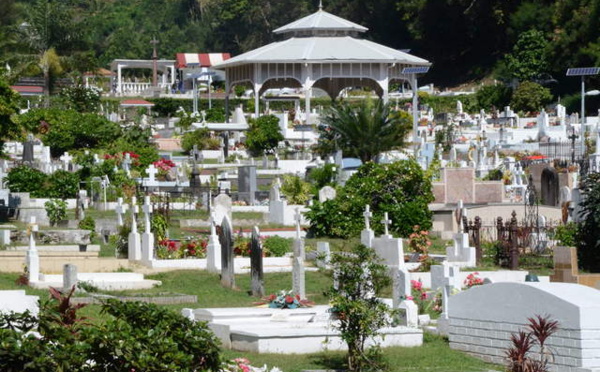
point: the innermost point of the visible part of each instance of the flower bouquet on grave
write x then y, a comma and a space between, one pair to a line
243, 365
285, 300
473, 280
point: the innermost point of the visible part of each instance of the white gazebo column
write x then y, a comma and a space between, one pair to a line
172, 81
415, 104
119, 80
257, 88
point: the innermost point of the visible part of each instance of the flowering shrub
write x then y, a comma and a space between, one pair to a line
426, 302
239, 203
473, 280
243, 365
117, 158
164, 165
419, 240
286, 300
241, 246
170, 249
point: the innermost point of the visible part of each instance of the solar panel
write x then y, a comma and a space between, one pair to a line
415, 70
583, 71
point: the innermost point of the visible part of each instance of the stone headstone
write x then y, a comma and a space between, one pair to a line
327, 193
69, 277
66, 160
222, 207
28, 151
247, 183
226, 241
256, 264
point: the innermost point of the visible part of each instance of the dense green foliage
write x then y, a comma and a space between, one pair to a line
201, 138
464, 39
360, 277
9, 106
60, 184
530, 97
588, 234
264, 135
136, 337
493, 96
56, 209
67, 130
369, 129
399, 188
528, 59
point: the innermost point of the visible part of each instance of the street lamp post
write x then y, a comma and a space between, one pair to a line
412, 72
583, 72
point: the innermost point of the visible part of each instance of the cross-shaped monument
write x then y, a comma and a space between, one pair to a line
66, 159
151, 171
386, 223
120, 209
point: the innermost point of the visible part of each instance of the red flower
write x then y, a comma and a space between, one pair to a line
289, 299
272, 297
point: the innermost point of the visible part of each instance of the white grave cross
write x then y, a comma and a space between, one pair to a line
147, 209
120, 209
386, 222
152, 171
66, 159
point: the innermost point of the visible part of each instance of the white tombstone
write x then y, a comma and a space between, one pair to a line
127, 163
461, 254
120, 209
222, 207
401, 300
327, 193
298, 270
450, 283
33, 258
147, 236
367, 235
134, 251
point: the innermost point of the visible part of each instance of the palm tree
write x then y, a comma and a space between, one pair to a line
49, 32
369, 129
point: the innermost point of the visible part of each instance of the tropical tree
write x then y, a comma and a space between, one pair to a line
264, 135
369, 129
9, 106
531, 97
528, 60
401, 189
361, 277
49, 31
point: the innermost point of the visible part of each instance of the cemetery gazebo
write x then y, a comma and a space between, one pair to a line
322, 51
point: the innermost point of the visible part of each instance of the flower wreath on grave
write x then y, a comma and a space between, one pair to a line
285, 300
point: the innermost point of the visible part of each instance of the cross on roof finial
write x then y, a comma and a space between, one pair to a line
320, 4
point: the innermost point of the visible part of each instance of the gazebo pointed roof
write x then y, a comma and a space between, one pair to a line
321, 21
